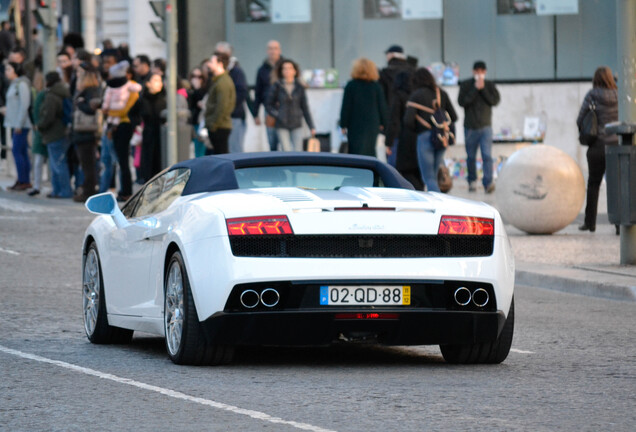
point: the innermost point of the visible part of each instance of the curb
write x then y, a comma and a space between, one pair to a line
578, 280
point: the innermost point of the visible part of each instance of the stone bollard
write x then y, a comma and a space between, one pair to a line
540, 190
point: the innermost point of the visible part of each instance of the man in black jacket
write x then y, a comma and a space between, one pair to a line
264, 80
396, 63
478, 95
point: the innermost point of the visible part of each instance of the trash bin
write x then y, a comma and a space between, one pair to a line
620, 174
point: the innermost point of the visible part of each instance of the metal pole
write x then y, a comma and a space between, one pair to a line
49, 39
171, 76
626, 37
28, 30
89, 24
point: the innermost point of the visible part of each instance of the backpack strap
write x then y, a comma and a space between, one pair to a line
421, 108
438, 98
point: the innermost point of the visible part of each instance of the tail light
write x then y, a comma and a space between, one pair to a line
466, 225
259, 225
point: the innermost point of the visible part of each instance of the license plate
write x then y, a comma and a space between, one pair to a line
365, 295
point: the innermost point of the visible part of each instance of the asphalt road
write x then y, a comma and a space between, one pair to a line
573, 364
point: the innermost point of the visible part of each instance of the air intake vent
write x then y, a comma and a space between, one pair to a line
362, 246
398, 195
290, 195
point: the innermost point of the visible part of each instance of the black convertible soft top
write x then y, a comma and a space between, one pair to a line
216, 173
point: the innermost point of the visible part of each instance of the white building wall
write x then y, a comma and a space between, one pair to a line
129, 21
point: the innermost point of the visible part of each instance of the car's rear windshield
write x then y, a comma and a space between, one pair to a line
305, 176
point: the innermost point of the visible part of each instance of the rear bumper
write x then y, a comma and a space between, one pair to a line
319, 328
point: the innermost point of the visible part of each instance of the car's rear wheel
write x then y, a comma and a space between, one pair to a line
96, 324
185, 339
488, 352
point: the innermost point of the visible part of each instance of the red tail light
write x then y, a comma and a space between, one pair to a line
259, 225
466, 225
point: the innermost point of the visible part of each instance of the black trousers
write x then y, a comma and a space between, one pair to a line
87, 155
121, 142
219, 139
596, 168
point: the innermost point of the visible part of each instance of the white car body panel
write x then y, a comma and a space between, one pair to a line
196, 224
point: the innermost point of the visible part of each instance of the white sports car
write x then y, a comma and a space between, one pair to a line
296, 249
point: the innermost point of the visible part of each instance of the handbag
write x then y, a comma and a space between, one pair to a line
313, 145
444, 179
270, 121
588, 130
83, 122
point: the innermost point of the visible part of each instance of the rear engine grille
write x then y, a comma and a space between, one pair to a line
362, 246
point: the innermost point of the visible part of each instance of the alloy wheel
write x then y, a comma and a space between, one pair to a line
174, 309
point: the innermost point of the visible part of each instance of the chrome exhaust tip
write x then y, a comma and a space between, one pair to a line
462, 296
250, 299
270, 297
480, 297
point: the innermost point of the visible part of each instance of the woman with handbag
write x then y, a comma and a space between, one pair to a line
426, 99
604, 98
287, 103
85, 128
364, 113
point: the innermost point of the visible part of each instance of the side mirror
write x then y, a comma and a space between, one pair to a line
103, 204
106, 204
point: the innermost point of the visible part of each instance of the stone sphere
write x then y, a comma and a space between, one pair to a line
540, 189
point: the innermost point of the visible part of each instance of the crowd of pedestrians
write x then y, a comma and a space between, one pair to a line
96, 116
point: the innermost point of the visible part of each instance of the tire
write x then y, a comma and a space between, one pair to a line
96, 324
487, 352
185, 338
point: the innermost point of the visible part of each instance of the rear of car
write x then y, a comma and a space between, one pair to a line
398, 267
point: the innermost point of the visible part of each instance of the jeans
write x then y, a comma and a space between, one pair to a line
108, 158
38, 167
392, 158
121, 144
479, 139
596, 165
21, 155
237, 136
199, 146
429, 160
291, 139
272, 137
58, 165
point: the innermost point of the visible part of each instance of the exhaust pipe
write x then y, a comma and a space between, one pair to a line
480, 297
270, 297
462, 296
249, 299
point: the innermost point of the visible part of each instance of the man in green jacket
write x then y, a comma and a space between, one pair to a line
220, 104
54, 134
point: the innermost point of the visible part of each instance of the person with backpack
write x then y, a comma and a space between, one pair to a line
433, 131
16, 117
54, 134
604, 96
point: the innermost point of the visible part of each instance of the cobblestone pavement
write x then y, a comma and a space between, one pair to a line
573, 364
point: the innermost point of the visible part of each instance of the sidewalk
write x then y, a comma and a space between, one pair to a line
569, 260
